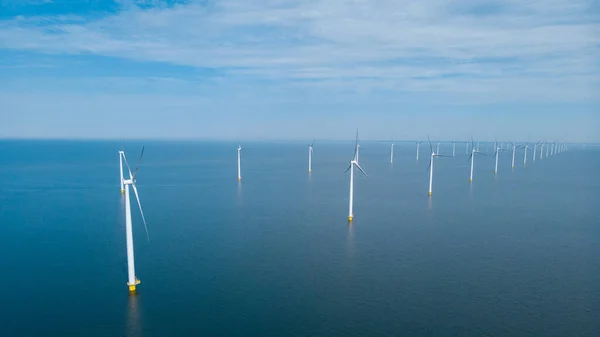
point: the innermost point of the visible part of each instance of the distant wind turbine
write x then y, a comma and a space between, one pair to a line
526, 146
514, 148
310, 151
353, 162
472, 159
418, 145
496, 153
239, 161
430, 168
453, 149
392, 153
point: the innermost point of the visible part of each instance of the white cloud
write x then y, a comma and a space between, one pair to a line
511, 50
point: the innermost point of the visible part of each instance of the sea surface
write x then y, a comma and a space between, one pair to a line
517, 254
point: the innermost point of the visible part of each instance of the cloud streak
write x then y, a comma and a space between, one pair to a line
472, 50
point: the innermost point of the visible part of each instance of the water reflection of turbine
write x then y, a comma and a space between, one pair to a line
133, 327
350, 240
239, 192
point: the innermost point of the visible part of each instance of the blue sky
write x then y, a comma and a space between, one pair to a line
292, 69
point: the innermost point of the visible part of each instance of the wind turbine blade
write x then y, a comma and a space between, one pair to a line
471, 156
481, 153
430, 146
128, 168
137, 197
348, 169
313, 143
442, 155
361, 170
355, 145
138, 164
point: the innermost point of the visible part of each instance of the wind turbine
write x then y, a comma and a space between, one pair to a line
437, 149
239, 161
534, 151
497, 150
310, 151
430, 168
526, 146
514, 147
453, 149
392, 153
418, 145
472, 159
547, 148
353, 162
541, 150
467, 148
132, 280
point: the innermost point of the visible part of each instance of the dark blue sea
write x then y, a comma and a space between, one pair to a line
517, 254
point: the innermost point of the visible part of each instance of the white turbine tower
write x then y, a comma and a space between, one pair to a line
430, 168
534, 151
392, 153
310, 151
472, 159
467, 148
239, 161
453, 149
542, 151
132, 280
514, 148
496, 154
526, 146
418, 145
353, 162
437, 149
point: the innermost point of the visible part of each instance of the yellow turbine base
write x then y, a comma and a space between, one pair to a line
429, 193
133, 285
239, 179
470, 180
495, 172
350, 218
122, 191
309, 171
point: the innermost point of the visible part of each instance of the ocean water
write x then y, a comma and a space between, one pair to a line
515, 254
